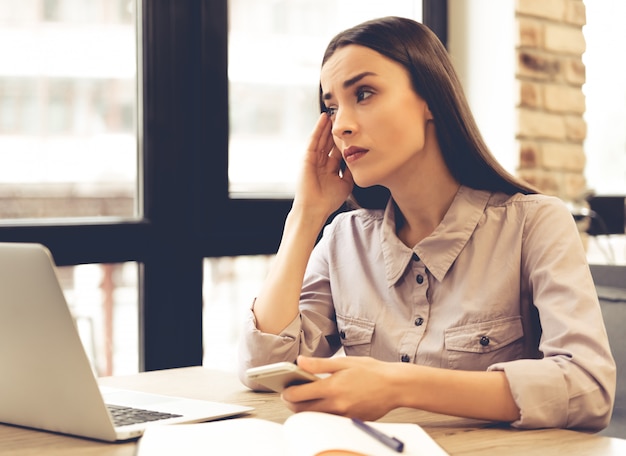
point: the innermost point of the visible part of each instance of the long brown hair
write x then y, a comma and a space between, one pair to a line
434, 79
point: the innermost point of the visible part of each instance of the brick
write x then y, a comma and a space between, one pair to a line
530, 95
564, 39
576, 12
574, 185
537, 124
574, 71
529, 155
548, 9
575, 128
564, 99
546, 182
563, 156
530, 33
537, 66
529, 175
558, 178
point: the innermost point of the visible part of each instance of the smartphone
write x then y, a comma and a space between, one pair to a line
279, 376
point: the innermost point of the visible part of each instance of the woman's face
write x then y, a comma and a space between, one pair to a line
378, 121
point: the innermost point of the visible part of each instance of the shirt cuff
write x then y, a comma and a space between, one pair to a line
257, 348
539, 391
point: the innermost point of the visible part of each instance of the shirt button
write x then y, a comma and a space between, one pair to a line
484, 341
416, 257
342, 334
419, 279
405, 358
419, 321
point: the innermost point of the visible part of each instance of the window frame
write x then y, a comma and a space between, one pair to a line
183, 182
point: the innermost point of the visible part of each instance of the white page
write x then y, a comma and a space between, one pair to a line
245, 436
308, 433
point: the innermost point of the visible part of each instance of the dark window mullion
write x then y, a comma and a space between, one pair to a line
78, 242
174, 157
435, 16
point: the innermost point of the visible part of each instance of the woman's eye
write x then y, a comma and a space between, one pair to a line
363, 94
331, 111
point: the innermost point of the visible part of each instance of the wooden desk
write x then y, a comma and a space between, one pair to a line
456, 436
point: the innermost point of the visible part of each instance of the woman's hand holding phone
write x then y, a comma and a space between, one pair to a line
279, 376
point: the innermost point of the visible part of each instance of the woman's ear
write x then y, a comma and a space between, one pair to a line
427, 114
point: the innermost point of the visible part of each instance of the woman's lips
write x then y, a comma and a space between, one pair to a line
353, 153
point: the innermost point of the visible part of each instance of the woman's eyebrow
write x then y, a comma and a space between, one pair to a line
350, 82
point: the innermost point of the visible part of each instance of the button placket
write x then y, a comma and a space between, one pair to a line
420, 279
420, 307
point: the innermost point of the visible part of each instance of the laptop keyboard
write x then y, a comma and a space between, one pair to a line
123, 416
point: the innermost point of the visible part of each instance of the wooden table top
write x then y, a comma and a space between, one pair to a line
455, 435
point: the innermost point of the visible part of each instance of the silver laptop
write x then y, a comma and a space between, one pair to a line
46, 380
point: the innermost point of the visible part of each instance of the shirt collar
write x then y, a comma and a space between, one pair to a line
439, 250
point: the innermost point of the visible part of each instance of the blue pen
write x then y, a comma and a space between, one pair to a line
391, 442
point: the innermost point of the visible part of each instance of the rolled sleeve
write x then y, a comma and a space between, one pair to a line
303, 336
539, 390
573, 385
257, 348
555, 393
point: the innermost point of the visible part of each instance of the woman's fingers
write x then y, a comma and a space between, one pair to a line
305, 393
321, 185
329, 141
321, 141
347, 177
321, 365
356, 386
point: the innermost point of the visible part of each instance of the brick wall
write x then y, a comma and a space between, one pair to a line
550, 101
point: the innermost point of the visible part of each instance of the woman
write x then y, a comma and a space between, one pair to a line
466, 293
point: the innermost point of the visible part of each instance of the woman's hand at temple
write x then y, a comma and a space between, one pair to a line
322, 187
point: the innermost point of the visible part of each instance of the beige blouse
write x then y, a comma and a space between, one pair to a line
501, 284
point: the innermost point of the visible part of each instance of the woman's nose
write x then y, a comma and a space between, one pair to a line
343, 122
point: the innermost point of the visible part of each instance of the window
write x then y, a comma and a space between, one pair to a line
605, 93
606, 135
68, 145
68, 140
103, 301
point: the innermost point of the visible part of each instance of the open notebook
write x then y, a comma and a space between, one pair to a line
46, 380
302, 434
